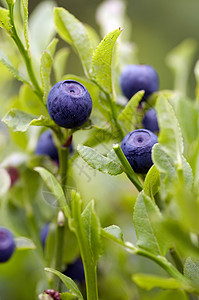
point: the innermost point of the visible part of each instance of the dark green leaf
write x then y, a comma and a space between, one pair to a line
150, 235
98, 161
73, 32
102, 61
69, 283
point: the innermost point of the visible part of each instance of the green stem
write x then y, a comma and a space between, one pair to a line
25, 55
127, 168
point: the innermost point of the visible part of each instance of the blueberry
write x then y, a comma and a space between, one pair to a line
46, 146
75, 270
137, 146
7, 244
150, 120
43, 234
139, 77
69, 104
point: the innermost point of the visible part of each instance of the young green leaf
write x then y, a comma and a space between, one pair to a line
98, 161
150, 236
5, 20
55, 187
59, 63
23, 243
170, 136
25, 12
152, 182
114, 233
73, 32
45, 68
67, 296
148, 282
91, 227
128, 114
19, 120
102, 61
191, 270
69, 283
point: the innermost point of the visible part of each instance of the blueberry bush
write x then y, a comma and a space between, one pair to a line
93, 206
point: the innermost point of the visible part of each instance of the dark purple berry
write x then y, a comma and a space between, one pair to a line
139, 77
137, 146
46, 146
7, 245
150, 120
69, 104
75, 270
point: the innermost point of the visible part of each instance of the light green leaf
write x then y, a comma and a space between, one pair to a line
148, 282
73, 32
19, 120
4, 182
45, 68
170, 136
69, 283
97, 136
196, 72
25, 11
91, 227
98, 161
171, 295
150, 235
128, 115
67, 296
23, 243
59, 63
191, 270
55, 187
188, 119
114, 233
152, 182
102, 61
5, 61
180, 61
5, 20
93, 36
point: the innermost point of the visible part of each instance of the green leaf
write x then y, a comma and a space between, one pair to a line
91, 227
19, 120
102, 61
191, 270
97, 136
25, 11
180, 61
148, 282
188, 119
23, 243
171, 295
98, 161
152, 182
128, 115
150, 235
196, 72
59, 63
5, 20
73, 32
45, 68
170, 136
93, 36
5, 61
67, 296
114, 233
4, 182
69, 283
56, 189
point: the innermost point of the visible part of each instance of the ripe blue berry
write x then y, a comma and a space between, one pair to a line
139, 77
150, 120
7, 244
75, 270
137, 146
69, 104
44, 233
46, 146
